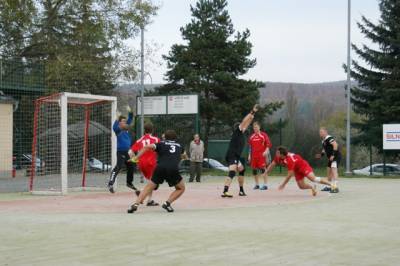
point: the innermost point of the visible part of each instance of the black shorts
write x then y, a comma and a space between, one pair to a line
234, 159
161, 174
335, 162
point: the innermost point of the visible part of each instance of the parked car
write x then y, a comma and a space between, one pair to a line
97, 165
25, 162
184, 165
377, 169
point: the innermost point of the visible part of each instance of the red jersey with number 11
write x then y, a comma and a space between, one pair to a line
149, 156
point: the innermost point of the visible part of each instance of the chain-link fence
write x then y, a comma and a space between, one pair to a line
22, 81
184, 125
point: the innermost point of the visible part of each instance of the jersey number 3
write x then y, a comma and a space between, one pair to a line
172, 149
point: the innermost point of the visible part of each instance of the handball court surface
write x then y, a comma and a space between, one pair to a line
359, 226
196, 196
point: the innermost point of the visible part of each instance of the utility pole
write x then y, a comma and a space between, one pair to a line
348, 129
142, 75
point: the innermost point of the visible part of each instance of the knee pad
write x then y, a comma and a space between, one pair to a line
262, 171
255, 172
241, 173
231, 174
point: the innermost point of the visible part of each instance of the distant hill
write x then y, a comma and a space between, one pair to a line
330, 91
306, 93
133, 87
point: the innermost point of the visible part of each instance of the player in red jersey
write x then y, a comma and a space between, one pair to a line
297, 167
259, 144
148, 161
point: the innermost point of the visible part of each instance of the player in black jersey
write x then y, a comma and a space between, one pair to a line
169, 155
233, 155
331, 148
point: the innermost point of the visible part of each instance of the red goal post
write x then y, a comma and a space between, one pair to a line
73, 146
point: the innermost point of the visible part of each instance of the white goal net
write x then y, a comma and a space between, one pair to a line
72, 146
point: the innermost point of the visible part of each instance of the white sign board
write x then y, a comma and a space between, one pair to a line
183, 104
153, 105
391, 137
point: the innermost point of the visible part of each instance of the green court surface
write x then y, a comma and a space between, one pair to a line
359, 226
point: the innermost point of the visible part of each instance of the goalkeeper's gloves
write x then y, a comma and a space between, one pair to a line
128, 109
134, 159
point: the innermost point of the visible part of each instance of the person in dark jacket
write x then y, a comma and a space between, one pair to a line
124, 142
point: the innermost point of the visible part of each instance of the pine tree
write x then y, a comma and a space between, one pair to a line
377, 96
210, 64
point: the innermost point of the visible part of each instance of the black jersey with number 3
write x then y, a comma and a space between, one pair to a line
169, 154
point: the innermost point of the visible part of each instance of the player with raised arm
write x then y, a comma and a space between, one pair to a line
260, 144
124, 142
297, 167
233, 155
331, 148
169, 155
148, 161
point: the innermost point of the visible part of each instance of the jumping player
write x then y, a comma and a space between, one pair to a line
169, 155
297, 167
148, 161
259, 149
233, 155
331, 148
124, 142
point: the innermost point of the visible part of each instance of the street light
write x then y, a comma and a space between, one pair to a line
142, 76
348, 137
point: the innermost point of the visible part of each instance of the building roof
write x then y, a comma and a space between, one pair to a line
6, 99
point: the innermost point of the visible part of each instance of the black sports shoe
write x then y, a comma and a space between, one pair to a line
111, 188
133, 208
241, 193
226, 195
152, 203
327, 189
167, 206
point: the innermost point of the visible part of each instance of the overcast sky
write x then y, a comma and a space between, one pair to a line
293, 40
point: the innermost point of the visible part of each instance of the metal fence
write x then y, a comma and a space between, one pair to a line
184, 125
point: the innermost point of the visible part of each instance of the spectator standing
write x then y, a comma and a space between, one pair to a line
196, 151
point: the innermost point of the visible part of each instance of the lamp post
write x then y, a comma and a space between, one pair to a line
142, 77
348, 135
